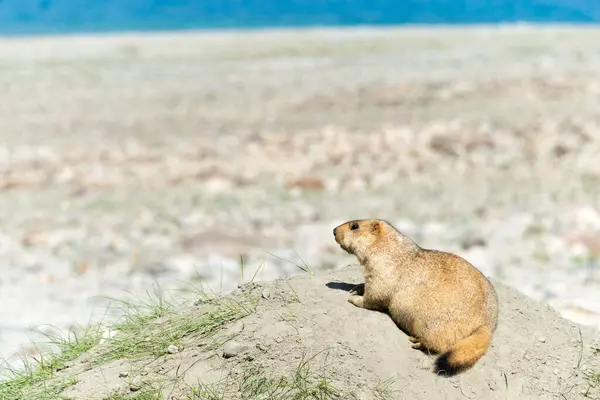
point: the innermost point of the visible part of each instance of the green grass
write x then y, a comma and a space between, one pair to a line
144, 394
303, 383
593, 379
139, 336
304, 267
50, 390
35, 373
384, 391
147, 328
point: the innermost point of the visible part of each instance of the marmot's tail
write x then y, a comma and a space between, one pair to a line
466, 352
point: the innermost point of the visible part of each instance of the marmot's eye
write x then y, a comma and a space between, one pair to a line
354, 226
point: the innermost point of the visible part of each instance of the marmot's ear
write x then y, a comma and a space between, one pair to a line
376, 226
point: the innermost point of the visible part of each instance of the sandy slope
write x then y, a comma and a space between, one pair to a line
535, 354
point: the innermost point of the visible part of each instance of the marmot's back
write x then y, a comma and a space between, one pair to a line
460, 280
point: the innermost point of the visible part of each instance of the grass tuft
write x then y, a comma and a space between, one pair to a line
146, 328
135, 313
304, 383
35, 373
149, 328
144, 394
384, 391
593, 381
304, 266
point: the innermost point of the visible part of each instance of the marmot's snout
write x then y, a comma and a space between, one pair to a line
339, 235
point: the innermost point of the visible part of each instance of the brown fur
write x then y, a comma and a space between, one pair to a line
439, 299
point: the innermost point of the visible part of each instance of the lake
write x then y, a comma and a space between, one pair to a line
74, 16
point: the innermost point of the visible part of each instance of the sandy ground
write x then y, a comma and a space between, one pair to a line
127, 160
535, 354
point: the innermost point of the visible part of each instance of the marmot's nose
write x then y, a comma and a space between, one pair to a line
334, 229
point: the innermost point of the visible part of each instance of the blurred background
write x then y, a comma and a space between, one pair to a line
172, 144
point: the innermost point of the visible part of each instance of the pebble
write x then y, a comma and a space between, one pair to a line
172, 349
135, 388
586, 218
234, 349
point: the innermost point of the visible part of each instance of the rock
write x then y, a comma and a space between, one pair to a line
234, 349
261, 347
583, 310
354, 184
586, 219
34, 239
172, 349
584, 246
470, 242
123, 374
266, 294
135, 387
217, 185
306, 183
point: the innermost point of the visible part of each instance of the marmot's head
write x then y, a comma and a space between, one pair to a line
358, 237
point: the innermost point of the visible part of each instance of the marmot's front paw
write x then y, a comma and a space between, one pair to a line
358, 289
358, 301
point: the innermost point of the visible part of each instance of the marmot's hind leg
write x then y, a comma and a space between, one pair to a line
416, 342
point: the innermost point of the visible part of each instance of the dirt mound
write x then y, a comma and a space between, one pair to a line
299, 338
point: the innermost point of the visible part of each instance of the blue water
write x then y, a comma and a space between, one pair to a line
69, 16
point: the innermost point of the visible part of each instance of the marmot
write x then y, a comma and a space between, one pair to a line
442, 302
